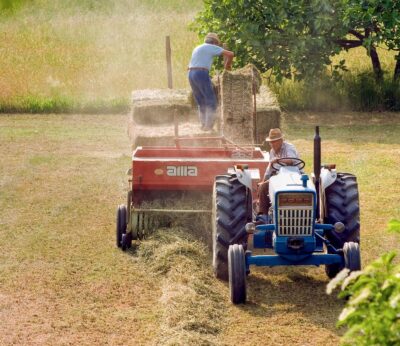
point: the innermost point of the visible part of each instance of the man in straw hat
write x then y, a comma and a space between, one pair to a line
279, 150
199, 78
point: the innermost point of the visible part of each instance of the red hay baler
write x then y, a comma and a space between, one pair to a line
161, 174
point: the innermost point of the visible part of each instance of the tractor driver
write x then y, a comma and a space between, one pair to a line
199, 78
279, 149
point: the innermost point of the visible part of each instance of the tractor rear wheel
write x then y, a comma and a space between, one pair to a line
237, 274
352, 257
120, 224
232, 209
342, 205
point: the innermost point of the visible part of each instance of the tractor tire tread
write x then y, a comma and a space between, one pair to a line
231, 212
342, 204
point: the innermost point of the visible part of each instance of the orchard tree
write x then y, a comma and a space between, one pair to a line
298, 38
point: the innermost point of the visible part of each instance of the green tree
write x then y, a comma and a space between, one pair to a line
297, 38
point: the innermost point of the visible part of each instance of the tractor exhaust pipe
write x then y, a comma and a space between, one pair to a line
317, 165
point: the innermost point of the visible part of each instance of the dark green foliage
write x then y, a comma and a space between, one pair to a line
289, 38
297, 38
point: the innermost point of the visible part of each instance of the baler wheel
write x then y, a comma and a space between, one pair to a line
342, 205
128, 205
237, 274
232, 209
120, 224
352, 257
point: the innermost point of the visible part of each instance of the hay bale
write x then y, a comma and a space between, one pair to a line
159, 106
268, 113
237, 103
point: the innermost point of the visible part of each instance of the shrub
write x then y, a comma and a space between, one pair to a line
372, 311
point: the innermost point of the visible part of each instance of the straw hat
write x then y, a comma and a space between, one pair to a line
274, 135
214, 36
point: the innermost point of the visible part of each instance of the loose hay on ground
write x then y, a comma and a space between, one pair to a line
193, 306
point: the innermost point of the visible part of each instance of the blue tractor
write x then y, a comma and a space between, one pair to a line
311, 222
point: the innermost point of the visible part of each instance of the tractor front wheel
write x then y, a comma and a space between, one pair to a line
120, 224
237, 274
232, 209
352, 257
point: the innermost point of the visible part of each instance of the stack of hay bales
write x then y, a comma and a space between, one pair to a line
151, 121
244, 120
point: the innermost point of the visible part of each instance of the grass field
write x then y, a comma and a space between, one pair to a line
62, 281
89, 55
65, 53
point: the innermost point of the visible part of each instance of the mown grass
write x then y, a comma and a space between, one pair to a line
87, 56
62, 281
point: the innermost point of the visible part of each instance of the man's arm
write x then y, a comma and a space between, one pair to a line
228, 57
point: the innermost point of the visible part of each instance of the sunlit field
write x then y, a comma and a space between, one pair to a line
60, 51
58, 55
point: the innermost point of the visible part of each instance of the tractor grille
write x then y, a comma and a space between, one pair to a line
292, 222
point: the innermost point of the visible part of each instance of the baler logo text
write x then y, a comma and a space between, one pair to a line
182, 171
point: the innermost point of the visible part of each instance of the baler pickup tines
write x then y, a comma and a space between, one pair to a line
177, 211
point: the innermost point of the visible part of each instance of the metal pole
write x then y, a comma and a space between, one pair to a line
317, 166
169, 64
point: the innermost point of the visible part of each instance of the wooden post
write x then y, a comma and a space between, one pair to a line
255, 132
169, 65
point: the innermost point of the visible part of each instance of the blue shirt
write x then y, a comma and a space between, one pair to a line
204, 54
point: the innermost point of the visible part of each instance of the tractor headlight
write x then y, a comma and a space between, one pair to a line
250, 228
339, 227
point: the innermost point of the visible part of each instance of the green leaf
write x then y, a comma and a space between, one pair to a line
394, 226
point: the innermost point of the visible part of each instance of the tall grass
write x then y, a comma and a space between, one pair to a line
91, 52
357, 92
88, 55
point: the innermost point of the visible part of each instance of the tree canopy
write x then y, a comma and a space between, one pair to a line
298, 38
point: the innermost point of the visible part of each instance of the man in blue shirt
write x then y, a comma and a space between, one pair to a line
199, 78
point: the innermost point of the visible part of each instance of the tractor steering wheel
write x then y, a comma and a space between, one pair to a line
299, 163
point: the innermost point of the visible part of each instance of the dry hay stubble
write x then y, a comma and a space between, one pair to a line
193, 305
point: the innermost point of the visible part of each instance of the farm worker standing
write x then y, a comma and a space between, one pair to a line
199, 78
279, 149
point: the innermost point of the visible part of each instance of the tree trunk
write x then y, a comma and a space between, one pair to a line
396, 75
376, 64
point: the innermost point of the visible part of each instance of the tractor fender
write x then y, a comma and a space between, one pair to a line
327, 177
244, 177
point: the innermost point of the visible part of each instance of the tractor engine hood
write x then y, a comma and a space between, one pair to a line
288, 180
